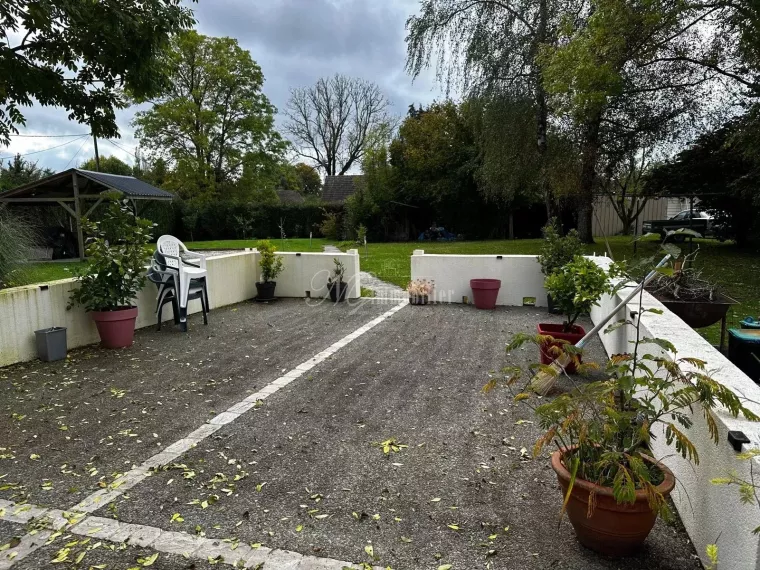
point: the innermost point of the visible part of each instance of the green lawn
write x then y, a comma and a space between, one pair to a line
733, 269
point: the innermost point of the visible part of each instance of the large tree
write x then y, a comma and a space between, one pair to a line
82, 56
20, 171
329, 122
213, 119
108, 164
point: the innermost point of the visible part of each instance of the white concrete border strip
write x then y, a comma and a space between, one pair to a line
102, 497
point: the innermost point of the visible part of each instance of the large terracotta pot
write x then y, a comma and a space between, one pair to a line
116, 328
613, 529
484, 292
557, 332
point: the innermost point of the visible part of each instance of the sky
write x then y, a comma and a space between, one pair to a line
294, 41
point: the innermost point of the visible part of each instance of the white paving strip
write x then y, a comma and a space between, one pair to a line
151, 536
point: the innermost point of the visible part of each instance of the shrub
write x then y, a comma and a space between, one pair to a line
18, 237
117, 253
556, 250
271, 264
330, 226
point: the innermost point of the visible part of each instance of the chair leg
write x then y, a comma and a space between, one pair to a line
160, 311
175, 310
204, 304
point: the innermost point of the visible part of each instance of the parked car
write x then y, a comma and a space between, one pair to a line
696, 220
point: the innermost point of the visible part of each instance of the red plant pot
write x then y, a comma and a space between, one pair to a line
557, 332
116, 328
484, 292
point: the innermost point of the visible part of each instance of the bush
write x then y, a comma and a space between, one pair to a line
18, 236
271, 264
557, 251
117, 252
330, 226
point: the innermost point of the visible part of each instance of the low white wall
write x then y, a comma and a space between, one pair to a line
710, 513
520, 276
231, 279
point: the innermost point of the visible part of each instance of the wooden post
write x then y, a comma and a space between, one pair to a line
78, 214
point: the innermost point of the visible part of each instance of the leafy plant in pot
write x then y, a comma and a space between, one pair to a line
335, 284
419, 291
556, 252
271, 267
576, 287
613, 488
117, 252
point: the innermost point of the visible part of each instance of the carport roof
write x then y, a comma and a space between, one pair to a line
59, 187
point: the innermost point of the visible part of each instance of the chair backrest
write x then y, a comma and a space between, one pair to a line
169, 245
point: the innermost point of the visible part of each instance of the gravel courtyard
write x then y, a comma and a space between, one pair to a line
255, 442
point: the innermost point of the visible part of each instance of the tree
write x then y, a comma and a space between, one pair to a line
310, 184
329, 122
212, 118
109, 165
83, 56
722, 170
20, 171
624, 187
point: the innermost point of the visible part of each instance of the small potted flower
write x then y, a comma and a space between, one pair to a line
556, 252
117, 251
419, 291
335, 284
271, 267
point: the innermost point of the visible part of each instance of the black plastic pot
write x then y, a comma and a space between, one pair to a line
418, 299
265, 290
338, 291
552, 309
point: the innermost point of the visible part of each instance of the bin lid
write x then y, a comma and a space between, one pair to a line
50, 330
746, 335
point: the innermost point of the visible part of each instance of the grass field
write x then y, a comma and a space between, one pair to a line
733, 269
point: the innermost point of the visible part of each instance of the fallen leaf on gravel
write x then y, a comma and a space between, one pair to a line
435, 500
445, 567
299, 528
453, 526
405, 539
369, 550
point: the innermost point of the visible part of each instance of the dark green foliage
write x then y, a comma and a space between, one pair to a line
110, 165
558, 250
20, 171
117, 252
115, 46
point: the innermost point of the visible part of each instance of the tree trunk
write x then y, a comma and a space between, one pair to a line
542, 112
589, 158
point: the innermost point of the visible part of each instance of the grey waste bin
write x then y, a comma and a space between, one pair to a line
51, 343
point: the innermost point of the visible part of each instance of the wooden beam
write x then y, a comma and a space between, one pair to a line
78, 213
95, 205
68, 209
36, 200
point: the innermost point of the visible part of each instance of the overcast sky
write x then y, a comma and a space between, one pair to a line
294, 41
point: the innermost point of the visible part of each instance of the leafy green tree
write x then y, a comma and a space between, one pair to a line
109, 165
212, 118
20, 171
309, 181
83, 56
722, 170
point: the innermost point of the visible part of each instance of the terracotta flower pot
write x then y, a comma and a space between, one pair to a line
484, 292
557, 332
116, 328
613, 529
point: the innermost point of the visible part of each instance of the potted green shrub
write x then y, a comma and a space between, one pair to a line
557, 251
117, 250
335, 284
271, 267
613, 488
575, 287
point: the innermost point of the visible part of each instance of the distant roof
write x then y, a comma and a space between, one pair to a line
338, 188
289, 197
60, 186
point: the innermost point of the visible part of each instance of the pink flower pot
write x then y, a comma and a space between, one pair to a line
116, 328
484, 292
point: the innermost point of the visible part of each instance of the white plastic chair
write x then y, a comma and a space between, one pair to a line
189, 265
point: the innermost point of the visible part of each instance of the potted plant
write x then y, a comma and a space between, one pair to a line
117, 252
613, 488
575, 288
419, 291
556, 252
271, 267
335, 284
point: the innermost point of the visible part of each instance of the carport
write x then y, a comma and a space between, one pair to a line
79, 192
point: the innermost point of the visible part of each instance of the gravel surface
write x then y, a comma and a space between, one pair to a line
69, 427
8, 531
305, 472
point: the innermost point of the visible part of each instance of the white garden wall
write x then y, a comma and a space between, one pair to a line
231, 279
710, 513
520, 276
